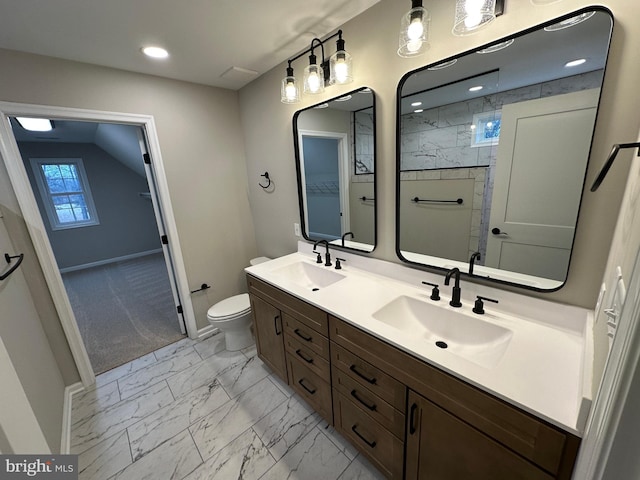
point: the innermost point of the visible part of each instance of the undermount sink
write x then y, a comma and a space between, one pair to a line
309, 276
474, 339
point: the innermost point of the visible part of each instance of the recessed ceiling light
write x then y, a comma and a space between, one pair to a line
570, 22
343, 99
575, 63
322, 105
416, 104
476, 88
35, 124
155, 52
420, 110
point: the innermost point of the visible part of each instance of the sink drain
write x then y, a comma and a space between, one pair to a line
441, 344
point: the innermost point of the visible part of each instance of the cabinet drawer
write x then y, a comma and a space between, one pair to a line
311, 316
369, 376
546, 446
376, 407
311, 387
307, 336
379, 445
311, 359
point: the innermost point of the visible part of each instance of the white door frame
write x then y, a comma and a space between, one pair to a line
33, 219
18, 422
343, 169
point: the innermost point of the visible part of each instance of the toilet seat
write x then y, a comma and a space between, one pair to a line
230, 308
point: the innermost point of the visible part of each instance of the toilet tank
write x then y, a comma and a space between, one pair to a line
258, 260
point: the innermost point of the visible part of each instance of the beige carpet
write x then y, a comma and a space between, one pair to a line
124, 310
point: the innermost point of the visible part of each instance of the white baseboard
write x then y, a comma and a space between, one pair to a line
65, 440
207, 331
109, 260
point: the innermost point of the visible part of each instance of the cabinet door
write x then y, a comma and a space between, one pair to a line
267, 321
443, 447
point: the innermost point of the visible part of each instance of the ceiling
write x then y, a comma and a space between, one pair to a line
222, 43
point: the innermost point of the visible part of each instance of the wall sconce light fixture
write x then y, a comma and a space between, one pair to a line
414, 31
337, 70
472, 15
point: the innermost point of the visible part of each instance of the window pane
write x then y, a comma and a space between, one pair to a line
56, 185
72, 185
79, 206
51, 171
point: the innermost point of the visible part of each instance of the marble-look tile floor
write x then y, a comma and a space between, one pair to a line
195, 411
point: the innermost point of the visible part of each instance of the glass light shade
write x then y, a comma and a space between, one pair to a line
290, 92
340, 68
471, 15
313, 79
414, 33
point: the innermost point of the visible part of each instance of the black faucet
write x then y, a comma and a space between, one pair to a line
348, 233
474, 257
327, 256
455, 296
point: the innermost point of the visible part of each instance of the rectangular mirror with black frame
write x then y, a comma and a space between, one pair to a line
492, 152
335, 147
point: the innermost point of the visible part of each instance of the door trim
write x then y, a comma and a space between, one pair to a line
33, 219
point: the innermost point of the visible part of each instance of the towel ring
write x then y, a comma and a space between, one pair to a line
265, 175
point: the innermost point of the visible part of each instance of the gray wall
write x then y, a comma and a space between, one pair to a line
269, 145
127, 222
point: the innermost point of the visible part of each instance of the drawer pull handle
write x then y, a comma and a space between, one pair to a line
304, 337
371, 444
412, 419
371, 380
311, 391
370, 406
304, 357
275, 324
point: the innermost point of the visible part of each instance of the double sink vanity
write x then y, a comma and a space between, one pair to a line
423, 389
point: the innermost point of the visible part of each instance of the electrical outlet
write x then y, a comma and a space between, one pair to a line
296, 229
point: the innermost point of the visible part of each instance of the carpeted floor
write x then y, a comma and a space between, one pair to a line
124, 310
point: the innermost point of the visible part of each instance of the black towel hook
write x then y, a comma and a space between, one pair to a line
265, 175
607, 165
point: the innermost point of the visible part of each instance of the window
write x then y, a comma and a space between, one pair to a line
65, 192
485, 129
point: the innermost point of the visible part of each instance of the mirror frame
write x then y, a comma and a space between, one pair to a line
296, 146
399, 97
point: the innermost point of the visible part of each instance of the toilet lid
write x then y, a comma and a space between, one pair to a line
232, 306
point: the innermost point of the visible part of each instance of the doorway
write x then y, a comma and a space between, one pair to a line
94, 197
162, 207
325, 168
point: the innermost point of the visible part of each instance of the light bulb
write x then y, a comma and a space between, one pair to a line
342, 71
416, 29
472, 20
473, 6
314, 82
290, 91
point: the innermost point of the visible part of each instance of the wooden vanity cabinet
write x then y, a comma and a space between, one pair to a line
474, 425
267, 324
410, 419
295, 344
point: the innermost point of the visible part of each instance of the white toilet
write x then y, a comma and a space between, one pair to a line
233, 317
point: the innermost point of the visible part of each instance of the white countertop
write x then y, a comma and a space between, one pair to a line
545, 370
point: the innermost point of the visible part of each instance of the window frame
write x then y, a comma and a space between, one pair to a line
479, 125
47, 197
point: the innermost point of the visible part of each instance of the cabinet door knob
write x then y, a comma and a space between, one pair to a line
412, 419
275, 324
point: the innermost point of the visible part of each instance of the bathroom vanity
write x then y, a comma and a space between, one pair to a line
508, 398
